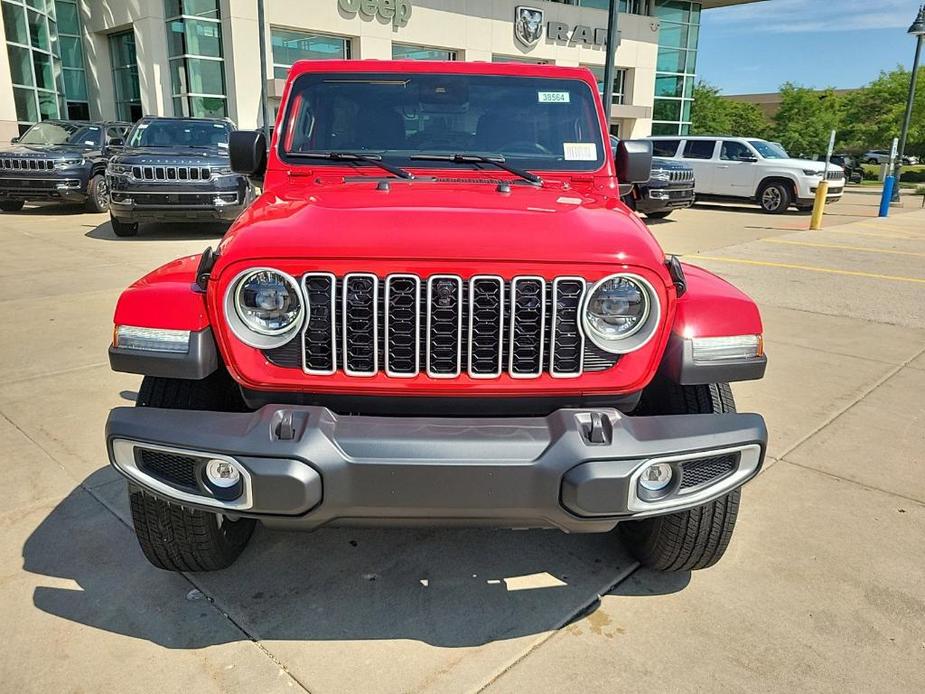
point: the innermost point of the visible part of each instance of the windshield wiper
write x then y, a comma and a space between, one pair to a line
494, 159
374, 159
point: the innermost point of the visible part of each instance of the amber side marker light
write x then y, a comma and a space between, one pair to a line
734, 348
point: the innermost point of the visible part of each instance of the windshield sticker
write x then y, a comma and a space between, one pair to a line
579, 151
223, 144
553, 97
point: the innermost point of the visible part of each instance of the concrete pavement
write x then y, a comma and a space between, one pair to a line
822, 588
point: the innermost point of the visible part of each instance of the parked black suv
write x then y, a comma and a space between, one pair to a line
175, 170
670, 187
59, 160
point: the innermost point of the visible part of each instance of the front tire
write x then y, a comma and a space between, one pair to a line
97, 194
175, 537
775, 197
123, 229
11, 205
694, 539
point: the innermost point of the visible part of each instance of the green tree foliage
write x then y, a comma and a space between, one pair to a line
873, 115
711, 114
805, 120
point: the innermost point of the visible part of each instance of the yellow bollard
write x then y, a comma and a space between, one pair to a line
815, 224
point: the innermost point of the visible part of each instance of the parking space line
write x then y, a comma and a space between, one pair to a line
842, 247
870, 234
810, 268
888, 227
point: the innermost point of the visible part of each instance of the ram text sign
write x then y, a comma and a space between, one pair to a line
528, 30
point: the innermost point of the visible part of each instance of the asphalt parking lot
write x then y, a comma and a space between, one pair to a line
823, 587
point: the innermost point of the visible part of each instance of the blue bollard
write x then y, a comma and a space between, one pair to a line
888, 183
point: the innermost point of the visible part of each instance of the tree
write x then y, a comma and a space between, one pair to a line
873, 115
711, 114
805, 119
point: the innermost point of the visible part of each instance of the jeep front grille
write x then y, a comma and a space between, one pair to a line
443, 326
171, 173
32, 164
835, 175
682, 176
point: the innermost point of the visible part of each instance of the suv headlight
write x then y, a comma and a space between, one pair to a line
660, 175
811, 172
621, 313
118, 169
69, 163
264, 307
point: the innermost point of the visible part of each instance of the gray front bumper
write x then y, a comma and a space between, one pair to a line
512, 472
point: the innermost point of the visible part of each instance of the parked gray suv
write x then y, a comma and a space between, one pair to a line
61, 161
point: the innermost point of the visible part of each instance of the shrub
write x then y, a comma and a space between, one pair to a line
870, 174
920, 190
913, 177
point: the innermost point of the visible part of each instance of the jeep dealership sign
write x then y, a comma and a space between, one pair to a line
396, 11
528, 29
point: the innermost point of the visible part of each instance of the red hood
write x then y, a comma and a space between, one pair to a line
424, 220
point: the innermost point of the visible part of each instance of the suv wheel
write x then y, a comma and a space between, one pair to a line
123, 229
97, 194
694, 539
175, 537
774, 197
11, 205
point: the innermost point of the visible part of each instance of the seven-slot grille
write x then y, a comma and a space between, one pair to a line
8, 163
444, 326
171, 173
682, 176
835, 175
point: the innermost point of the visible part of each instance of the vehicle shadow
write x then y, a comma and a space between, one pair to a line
159, 231
749, 209
445, 587
51, 209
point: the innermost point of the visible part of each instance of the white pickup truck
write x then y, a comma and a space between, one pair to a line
738, 168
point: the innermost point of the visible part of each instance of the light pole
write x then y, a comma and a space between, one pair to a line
918, 30
613, 40
262, 39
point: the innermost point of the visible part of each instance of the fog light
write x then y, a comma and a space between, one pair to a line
151, 339
222, 474
734, 348
656, 477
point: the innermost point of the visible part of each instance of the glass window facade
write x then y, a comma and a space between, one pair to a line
125, 76
34, 53
289, 46
197, 66
619, 82
676, 67
403, 51
72, 59
630, 6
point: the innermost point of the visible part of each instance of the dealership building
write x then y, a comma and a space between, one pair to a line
121, 59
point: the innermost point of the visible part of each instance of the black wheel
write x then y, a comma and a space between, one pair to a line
658, 215
694, 539
97, 194
775, 197
11, 205
123, 229
172, 536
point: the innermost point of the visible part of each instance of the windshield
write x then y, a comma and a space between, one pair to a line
769, 150
534, 123
179, 133
49, 133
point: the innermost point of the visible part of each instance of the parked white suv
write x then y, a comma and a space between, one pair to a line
752, 169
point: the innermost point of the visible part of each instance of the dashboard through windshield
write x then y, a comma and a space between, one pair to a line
179, 133
533, 123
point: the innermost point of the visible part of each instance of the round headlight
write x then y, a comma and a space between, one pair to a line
621, 313
264, 307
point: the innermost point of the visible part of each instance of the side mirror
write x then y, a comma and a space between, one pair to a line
634, 161
14, 140
248, 151
117, 142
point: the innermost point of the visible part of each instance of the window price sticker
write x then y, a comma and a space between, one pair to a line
579, 151
553, 97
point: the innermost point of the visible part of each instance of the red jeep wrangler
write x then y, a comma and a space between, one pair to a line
437, 312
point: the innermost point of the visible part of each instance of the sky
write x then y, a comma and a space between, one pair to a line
754, 48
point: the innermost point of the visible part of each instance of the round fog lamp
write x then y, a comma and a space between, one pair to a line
656, 477
222, 474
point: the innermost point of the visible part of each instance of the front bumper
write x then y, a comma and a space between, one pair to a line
155, 202
660, 199
305, 467
65, 188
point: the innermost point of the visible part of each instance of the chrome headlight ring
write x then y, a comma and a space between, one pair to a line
250, 334
641, 333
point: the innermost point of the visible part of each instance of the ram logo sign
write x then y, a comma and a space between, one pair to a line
528, 25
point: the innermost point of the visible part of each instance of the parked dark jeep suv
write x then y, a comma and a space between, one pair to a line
175, 170
59, 160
